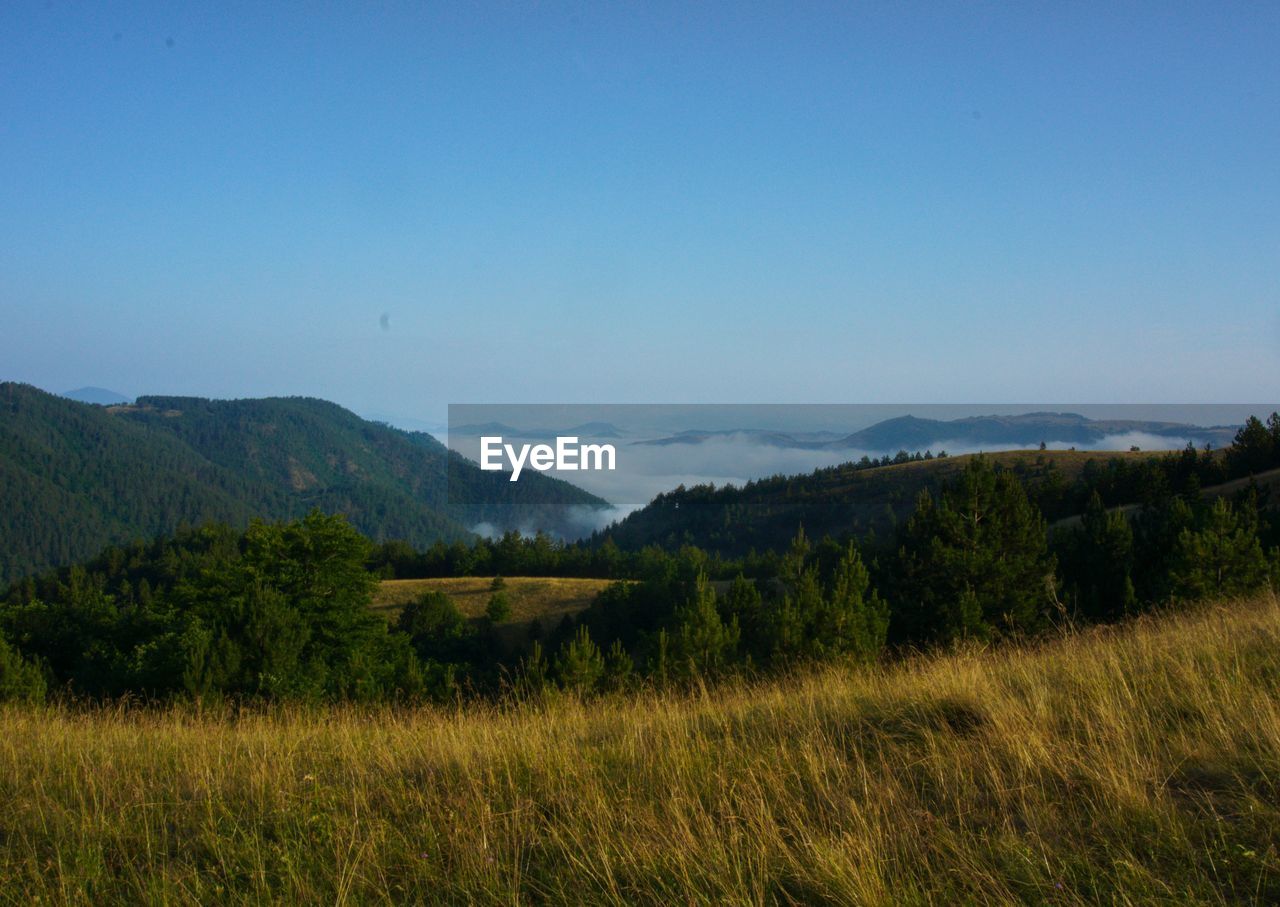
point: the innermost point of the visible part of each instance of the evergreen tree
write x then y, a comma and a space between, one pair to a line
704, 644
742, 603
1220, 558
436, 627
853, 620
1254, 449
20, 679
787, 617
580, 665
975, 563
499, 608
618, 667
1099, 563
533, 677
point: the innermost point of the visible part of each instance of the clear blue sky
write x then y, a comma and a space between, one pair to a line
854, 202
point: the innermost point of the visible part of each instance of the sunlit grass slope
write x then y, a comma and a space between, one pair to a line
1131, 765
548, 598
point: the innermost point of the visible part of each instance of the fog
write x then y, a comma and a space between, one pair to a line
645, 471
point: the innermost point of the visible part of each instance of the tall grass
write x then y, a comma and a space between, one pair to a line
1131, 765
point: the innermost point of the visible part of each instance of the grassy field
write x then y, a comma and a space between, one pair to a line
1130, 765
548, 599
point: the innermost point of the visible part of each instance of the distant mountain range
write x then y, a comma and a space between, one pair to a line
76, 478
98, 395
587, 430
911, 433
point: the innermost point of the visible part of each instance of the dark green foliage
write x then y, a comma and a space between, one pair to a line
579, 666
1220, 556
704, 644
853, 620
975, 563
534, 675
813, 619
619, 667
852, 499
789, 618
731, 521
1099, 559
436, 627
20, 679
79, 477
279, 611
743, 604
1256, 447
499, 607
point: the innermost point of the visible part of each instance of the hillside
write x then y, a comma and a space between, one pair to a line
79, 477
732, 520
545, 599
994, 431
1131, 765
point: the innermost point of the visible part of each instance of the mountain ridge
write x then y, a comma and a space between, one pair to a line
79, 477
910, 432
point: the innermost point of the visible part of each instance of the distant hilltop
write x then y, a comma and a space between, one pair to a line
99, 395
79, 477
1025, 430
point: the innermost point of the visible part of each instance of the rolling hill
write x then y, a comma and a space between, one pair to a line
914, 433
99, 395
78, 477
840, 499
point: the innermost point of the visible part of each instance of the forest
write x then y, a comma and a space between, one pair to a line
281, 610
79, 478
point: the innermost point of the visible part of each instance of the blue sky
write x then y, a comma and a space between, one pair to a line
677, 203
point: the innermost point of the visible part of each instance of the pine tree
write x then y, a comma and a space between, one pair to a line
975, 563
704, 644
1100, 563
853, 620
742, 603
618, 667
499, 608
20, 680
1254, 448
533, 671
1221, 558
580, 664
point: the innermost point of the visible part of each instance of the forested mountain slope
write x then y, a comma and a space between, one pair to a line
75, 478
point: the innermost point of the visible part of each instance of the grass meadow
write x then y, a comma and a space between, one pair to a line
1137, 764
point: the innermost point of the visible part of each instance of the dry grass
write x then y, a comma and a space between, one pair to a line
1137, 765
547, 598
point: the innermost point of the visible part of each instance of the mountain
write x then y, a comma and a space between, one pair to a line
992, 432
763, 437
588, 430
78, 477
98, 395
849, 498
1024, 430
